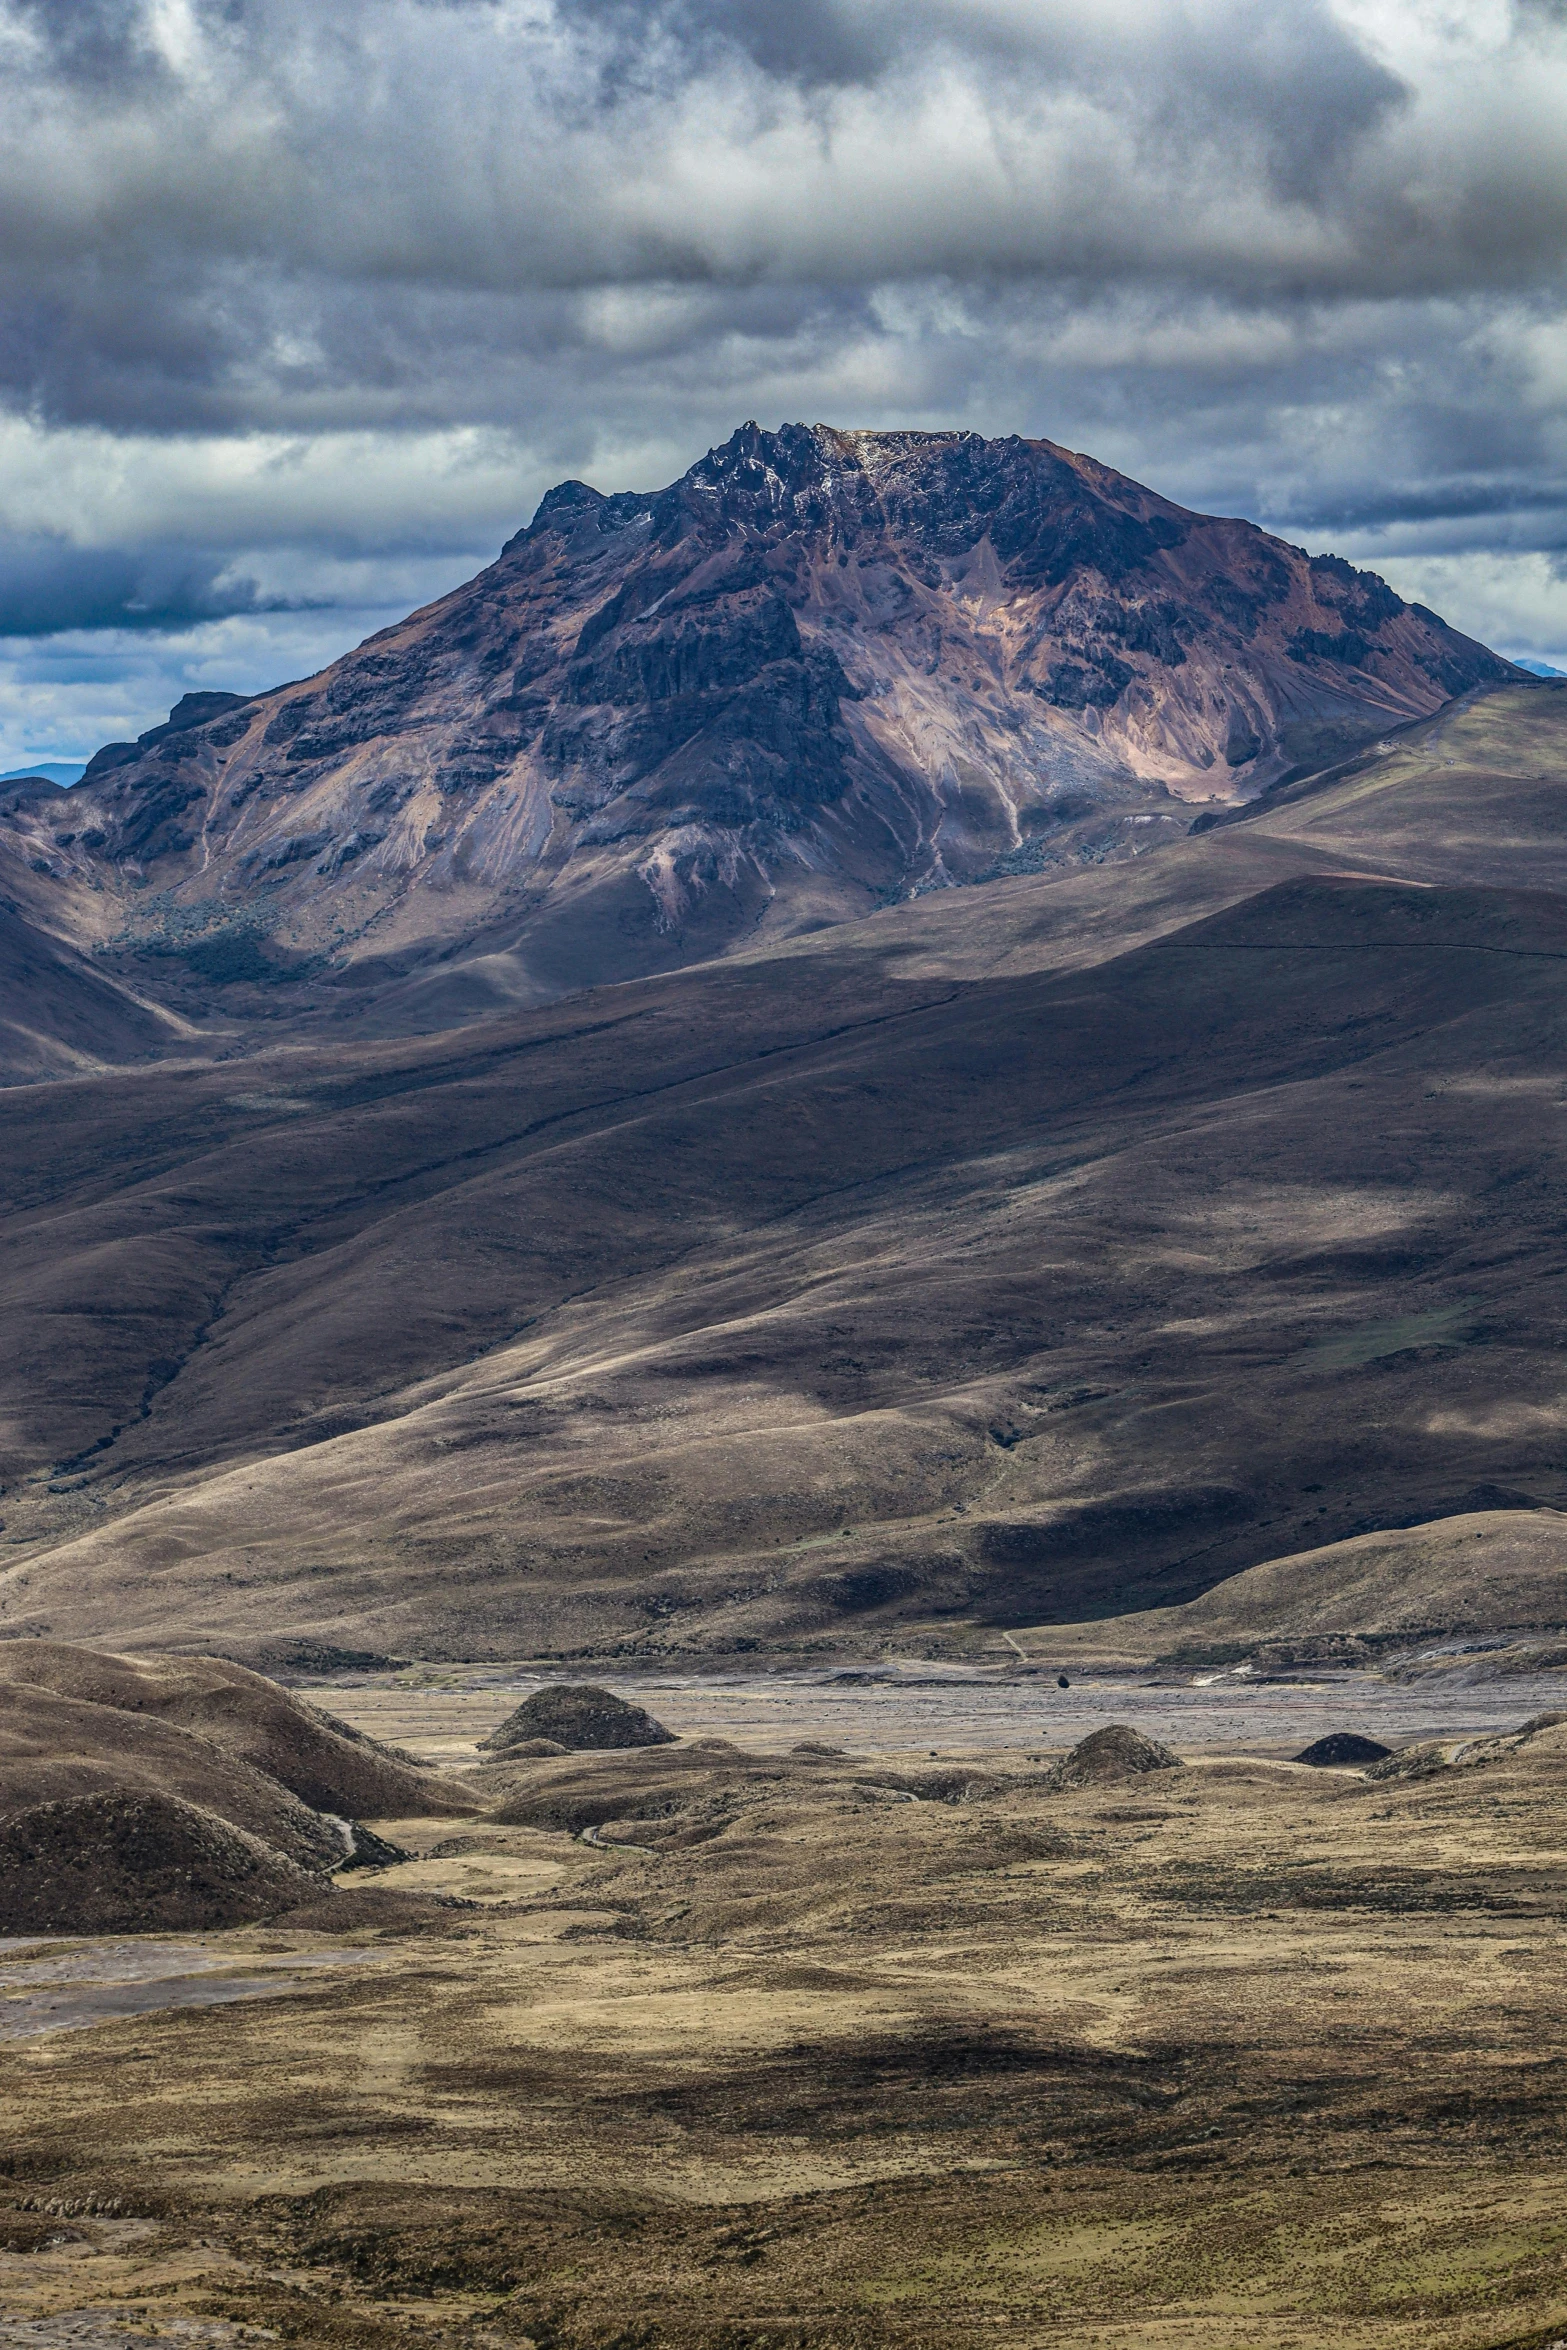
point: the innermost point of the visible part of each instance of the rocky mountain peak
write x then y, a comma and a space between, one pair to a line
821, 670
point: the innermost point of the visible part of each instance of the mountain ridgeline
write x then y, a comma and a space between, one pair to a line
822, 672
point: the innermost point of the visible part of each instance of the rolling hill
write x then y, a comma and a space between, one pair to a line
1014, 1256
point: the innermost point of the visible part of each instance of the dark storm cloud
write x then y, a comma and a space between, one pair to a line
1290, 80
1297, 258
190, 194
817, 45
47, 586
99, 44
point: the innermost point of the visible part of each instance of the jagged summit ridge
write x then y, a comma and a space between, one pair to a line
822, 669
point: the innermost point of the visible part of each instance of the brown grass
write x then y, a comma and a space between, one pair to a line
1238, 2054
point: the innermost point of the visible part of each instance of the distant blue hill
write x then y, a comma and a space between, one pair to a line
1539, 668
51, 768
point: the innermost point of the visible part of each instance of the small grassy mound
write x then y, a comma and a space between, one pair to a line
123, 1863
1343, 1746
1106, 1757
581, 1718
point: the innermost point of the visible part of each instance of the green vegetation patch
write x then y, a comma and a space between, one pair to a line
1442, 1326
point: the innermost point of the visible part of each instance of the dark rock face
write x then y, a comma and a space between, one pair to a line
717, 703
581, 1719
1113, 1753
189, 712
822, 670
1343, 1747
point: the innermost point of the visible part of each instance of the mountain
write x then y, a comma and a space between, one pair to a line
1013, 1256
54, 771
822, 672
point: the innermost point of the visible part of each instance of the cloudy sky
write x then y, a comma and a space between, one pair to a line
303, 303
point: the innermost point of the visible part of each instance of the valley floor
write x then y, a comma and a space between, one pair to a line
902, 1710
1238, 2056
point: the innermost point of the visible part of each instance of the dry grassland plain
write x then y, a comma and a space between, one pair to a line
866, 2048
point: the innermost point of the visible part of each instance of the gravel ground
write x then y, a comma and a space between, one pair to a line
928, 1708
54, 1986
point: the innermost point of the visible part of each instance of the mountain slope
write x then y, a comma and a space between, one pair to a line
1058, 1249
1480, 1581
822, 671
60, 1010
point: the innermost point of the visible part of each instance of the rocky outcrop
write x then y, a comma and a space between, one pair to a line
823, 670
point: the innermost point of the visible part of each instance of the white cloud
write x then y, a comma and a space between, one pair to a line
101, 488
